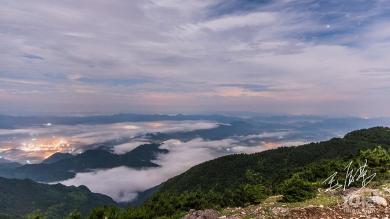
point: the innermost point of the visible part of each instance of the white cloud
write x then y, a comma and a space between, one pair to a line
123, 188
232, 22
181, 156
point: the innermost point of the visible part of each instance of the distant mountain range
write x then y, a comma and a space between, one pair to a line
60, 167
11, 122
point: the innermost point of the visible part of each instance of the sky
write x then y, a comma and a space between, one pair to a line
172, 56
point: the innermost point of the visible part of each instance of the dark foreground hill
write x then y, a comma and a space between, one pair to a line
21, 197
242, 179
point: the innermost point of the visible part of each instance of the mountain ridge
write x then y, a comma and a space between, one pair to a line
57, 157
63, 169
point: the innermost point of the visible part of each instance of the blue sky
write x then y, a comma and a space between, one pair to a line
172, 56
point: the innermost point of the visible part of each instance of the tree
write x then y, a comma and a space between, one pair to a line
376, 157
296, 189
254, 193
74, 215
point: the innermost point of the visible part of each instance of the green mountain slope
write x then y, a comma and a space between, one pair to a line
272, 166
242, 179
21, 197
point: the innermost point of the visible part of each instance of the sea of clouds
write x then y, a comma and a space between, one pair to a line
181, 157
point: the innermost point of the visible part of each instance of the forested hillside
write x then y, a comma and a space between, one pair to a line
21, 197
272, 166
239, 180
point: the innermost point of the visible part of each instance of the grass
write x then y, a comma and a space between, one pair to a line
385, 189
322, 198
271, 202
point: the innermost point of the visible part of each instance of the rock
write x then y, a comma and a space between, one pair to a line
378, 200
202, 214
279, 211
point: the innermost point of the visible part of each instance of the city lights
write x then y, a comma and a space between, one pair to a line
46, 147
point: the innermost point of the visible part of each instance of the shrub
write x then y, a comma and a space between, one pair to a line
254, 193
36, 215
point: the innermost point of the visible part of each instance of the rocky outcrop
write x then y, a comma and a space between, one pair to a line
202, 214
378, 200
